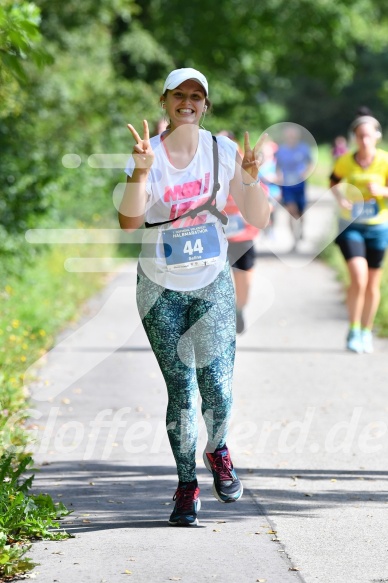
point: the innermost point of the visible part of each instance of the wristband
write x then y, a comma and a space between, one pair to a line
252, 183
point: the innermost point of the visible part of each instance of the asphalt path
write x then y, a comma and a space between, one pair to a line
308, 437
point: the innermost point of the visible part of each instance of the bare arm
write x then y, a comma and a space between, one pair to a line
251, 200
341, 200
132, 207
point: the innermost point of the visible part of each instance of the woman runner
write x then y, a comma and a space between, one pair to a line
363, 227
177, 186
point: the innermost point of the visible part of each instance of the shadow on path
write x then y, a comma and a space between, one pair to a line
112, 495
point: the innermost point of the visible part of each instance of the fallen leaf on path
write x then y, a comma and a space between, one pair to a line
294, 569
126, 572
91, 484
66, 401
333, 480
86, 521
309, 495
272, 532
257, 532
221, 521
261, 580
216, 530
175, 578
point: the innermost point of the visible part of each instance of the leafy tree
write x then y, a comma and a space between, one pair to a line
20, 42
254, 51
327, 113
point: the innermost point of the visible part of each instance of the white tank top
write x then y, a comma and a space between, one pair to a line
171, 193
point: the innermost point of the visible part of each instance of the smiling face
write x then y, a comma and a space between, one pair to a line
185, 103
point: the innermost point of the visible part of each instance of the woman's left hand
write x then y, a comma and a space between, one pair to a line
253, 158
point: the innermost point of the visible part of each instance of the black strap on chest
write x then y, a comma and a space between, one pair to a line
207, 206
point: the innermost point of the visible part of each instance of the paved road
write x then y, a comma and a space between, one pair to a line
308, 435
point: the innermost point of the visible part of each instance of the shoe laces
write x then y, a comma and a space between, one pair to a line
223, 466
184, 497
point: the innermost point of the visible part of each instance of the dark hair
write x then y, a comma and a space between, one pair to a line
363, 110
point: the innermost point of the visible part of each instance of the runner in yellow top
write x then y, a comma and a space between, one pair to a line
363, 226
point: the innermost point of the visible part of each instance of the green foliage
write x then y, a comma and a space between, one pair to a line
20, 38
23, 516
254, 52
382, 314
326, 114
12, 560
35, 306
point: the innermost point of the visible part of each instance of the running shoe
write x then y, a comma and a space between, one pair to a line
226, 486
367, 341
187, 505
354, 341
240, 324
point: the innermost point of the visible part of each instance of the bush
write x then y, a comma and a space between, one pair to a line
23, 517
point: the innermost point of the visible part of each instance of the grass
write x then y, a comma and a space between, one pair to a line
322, 171
33, 308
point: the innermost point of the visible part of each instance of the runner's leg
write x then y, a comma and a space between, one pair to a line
165, 322
358, 271
215, 338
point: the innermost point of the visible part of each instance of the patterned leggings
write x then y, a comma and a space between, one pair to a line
193, 336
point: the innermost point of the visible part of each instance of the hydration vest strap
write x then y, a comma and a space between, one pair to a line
207, 206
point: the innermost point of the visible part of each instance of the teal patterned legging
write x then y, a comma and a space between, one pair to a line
193, 336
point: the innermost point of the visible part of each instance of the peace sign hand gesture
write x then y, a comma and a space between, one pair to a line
142, 152
253, 158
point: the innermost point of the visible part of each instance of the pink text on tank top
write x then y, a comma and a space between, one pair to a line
187, 190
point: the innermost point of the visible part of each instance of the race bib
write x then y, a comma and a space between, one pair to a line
364, 211
235, 226
191, 246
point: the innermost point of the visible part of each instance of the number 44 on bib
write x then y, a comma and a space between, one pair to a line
191, 247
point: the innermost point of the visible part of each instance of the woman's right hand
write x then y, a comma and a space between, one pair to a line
142, 152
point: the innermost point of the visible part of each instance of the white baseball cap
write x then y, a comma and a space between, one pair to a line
178, 76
